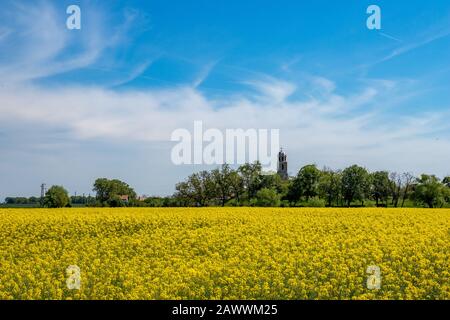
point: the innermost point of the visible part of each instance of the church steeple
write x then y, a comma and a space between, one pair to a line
282, 165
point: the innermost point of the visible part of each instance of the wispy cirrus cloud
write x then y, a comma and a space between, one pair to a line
204, 73
133, 75
287, 65
383, 34
425, 40
43, 47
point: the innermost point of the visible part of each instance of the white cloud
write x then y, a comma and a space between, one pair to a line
326, 131
328, 128
325, 84
271, 89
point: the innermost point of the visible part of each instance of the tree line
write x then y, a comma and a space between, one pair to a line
312, 187
38, 202
248, 185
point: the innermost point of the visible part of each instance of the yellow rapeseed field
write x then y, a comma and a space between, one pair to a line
230, 253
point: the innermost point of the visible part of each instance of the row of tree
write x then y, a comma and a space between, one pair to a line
22, 201
224, 186
249, 186
353, 186
82, 200
109, 193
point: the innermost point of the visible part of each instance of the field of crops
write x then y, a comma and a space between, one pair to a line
231, 253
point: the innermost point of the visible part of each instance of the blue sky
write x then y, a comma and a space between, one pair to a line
103, 100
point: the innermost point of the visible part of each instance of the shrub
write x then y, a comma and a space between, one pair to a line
312, 203
56, 197
267, 198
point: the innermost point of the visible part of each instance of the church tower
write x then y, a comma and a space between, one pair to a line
282, 165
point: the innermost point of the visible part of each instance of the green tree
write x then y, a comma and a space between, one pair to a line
222, 181
56, 197
236, 185
267, 198
430, 191
274, 181
446, 181
446, 195
330, 186
183, 194
198, 189
201, 188
355, 184
251, 175
108, 192
408, 184
380, 186
33, 200
395, 187
115, 201
154, 202
305, 183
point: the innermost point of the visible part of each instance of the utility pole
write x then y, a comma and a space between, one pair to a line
43, 187
43, 190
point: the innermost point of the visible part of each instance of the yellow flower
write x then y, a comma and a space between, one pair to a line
224, 253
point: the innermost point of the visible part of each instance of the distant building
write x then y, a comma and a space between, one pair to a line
142, 198
124, 197
282, 165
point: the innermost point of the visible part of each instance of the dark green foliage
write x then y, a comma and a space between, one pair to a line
306, 184
430, 191
446, 181
380, 187
56, 197
249, 186
109, 192
355, 184
267, 198
330, 183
